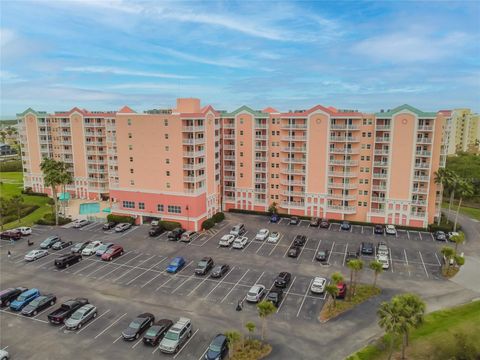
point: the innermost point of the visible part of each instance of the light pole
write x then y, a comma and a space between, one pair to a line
188, 216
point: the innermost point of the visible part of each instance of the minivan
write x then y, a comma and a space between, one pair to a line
24, 299
238, 230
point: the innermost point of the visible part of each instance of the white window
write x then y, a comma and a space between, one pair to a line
129, 204
173, 209
160, 207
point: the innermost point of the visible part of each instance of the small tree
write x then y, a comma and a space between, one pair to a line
448, 253
251, 328
272, 209
265, 309
465, 190
332, 291
16, 202
459, 260
337, 278
390, 321
412, 310
233, 338
355, 266
377, 268
458, 239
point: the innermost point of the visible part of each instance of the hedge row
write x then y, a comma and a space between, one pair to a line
24, 211
29, 191
209, 223
11, 166
169, 225
49, 219
120, 218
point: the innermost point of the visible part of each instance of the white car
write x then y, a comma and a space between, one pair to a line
35, 254
122, 227
240, 242
227, 240
80, 223
4, 355
255, 293
390, 230
24, 230
274, 237
383, 259
91, 248
262, 234
318, 285
382, 249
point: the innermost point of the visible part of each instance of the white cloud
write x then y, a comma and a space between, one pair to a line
225, 62
119, 71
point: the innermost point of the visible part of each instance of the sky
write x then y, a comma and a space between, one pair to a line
362, 55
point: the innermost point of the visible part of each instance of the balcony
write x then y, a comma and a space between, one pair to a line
425, 128
419, 191
424, 140
342, 174
343, 139
229, 157
194, 178
261, 159
381, 152
228, 198
229, 168
421, 177
294, 171
261, 137
229, 147
229, 126
343, 162
346, 186
96, 152
382, 127
379, 176
193, 166
341, 197
418, 215
294, 160
422, 165
260, 201
197, 190
382, 139
293, 204
293, 193
197, 141
261, 180
343, 127
419, 202
193, 128
229, 177
342, 151
260, 126
294, 149
377, 211
260, 190
294, 126
260, 148
229, 136
342, 209
197, 153
97, 161
261, 169
292, 182
378, 199
294, 138
423, 153
380, 163
230, 188
379, 188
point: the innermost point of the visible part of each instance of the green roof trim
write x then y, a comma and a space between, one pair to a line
246, 109
30, 110
403, 107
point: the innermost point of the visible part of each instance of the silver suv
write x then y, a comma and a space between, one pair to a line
176, 336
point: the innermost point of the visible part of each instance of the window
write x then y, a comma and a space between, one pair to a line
174, 209
277, 165
273, 133
361, 181
160, 207
365, 192
167, 173
368, 158
272, 197
368, 146
241, 143
273, 165
362, 157
129, 122
271, 186
241, 175
130, 147
132, 182
168, 185
364, 203
363, 146
166, 136
359, 203
129, 135
167, 161
364, 134
167, 148
241, 153
361, 169
241, 121
366, 181
367, 169
131, 158
131, 171
241, 131
364, 121
241, 164
278, 133
165, 122
129, 204
141, 206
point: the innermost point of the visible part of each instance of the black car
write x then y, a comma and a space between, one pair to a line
204, 266
48, 242
218, 348
379, 229
10, 294
314, 221
283, 279
65, 261
156, 332
324, 223
156, 230
299, 240
367, 248
219, 270
322, 255
350, 255
138, 326
275, 296
59, 245
294, 220
38, 304
440, 236
175, 234
294, 251
345, 226
78, 247
109, 225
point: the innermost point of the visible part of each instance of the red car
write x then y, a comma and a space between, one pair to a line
113, 252
11, 234
342, 290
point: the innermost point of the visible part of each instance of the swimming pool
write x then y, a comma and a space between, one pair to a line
89, 208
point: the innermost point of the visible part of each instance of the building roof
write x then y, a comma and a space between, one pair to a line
247, 109
270, 110
126, 110
329, 110
404, 107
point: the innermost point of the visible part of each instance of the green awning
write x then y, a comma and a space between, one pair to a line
64, 196
106, 210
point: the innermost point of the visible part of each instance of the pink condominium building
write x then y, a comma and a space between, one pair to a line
186, 164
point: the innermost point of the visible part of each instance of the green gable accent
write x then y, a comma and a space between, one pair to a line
246, 109
30, 110
398, 109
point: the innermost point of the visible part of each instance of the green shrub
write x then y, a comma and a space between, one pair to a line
169, 225
11, 166
443, 227
28, 191
49, 219
208, 224
218, 217
121, 218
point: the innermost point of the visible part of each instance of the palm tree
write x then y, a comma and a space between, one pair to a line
251, 328
233, 338
54, 175
458, 239
272, 209
390, 321
337, 278
448, 253
453, 182
16, 202
413, 311
465, 189
377, 268
265, 309
442, 178
332, 291
459, 260
66, 178
355, 266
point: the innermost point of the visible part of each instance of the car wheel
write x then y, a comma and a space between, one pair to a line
35, 313
52, 302
121, 253
151, 323
136, 337
79, 325
176, 349
110, 259
67, 265
7, 303
94, 315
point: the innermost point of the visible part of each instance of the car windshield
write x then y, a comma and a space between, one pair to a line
153, 331
175, 262
251, 293
217, 269
202, 263
102, 248
22, 298
214, 347
77, 315
135, 324
110, 251
36, 301
171, 335
321, 253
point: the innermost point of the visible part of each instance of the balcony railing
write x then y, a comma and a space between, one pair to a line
261, 180
381, 152
260, 190
294, 170
343, 139
382, 139
342, 186
423, 153
341, 208
379, 176
341, 196
230, 188
229, 168
229, 157
260, 126
377, 211
419, 191
419, 202
341, 174
424, 140
193, 128
379, 188
193, 166
194, 178
419, 215
197, 153
380, 163
197, 141
261, 137
261, 169
294, 149
229, 147
294, 138
229, 136
229, 126
292, 182
261, 159
229, 177
422, 165
343, 162
294, 126
378, 199
342, 151
382, 127
228, 198
260, 148
425, 128
421, 177
294, 160
293, 193
343, 127
293, 204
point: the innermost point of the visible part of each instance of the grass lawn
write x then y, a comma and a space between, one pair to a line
474, 213
12, 184
435, 339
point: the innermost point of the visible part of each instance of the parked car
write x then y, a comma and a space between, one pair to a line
187, 236
367, 248
451, 234
219, 270
175, 234
383, 259
176, 265
155, 222
322, 255
315, 222
11, 235
379, 230
122, 227
227, 240
10, 294
80, 317
273, 237
351, 255
262, 234
294, 251
204, 266
345, 226
78, 247
91, 248
274, 218
59, 245
382, 248
102, 249
390, 230
342, 290
136, 328
35, 255
24, 230
318, 285
238, 230
24, 299
275, 296
48, 242
65, 261
40, 303
66, 309
4, 355
218, 348
109, 225
77, 224
112, 253
283, 279
155, 231
240, 242
324, 223
156, 332
294, 220
176, 336
256, 293
440, 236
299, 240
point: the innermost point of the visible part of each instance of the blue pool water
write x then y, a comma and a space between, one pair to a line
90, 208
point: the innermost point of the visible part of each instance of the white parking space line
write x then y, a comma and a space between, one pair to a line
174, 275
345, 256
6, 347
84, 268
304, 297
117, 339
362, 229
41, 312
91, 322
23, 317
330, 254
438, 260
423, 263
138, 342
248, 244
202, 357
261, 246
109, 326
116, 268
420, 234
106, 264
129, 271
273, 249
391, 261
288, 248
196, 287
238, 283
406, 261
186, 343
286, 294
156, 276
205, 297
145, 271
408, 235
431, 235
90, 226
307, 221
129, 231
316, 250
301, 251
183, 283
